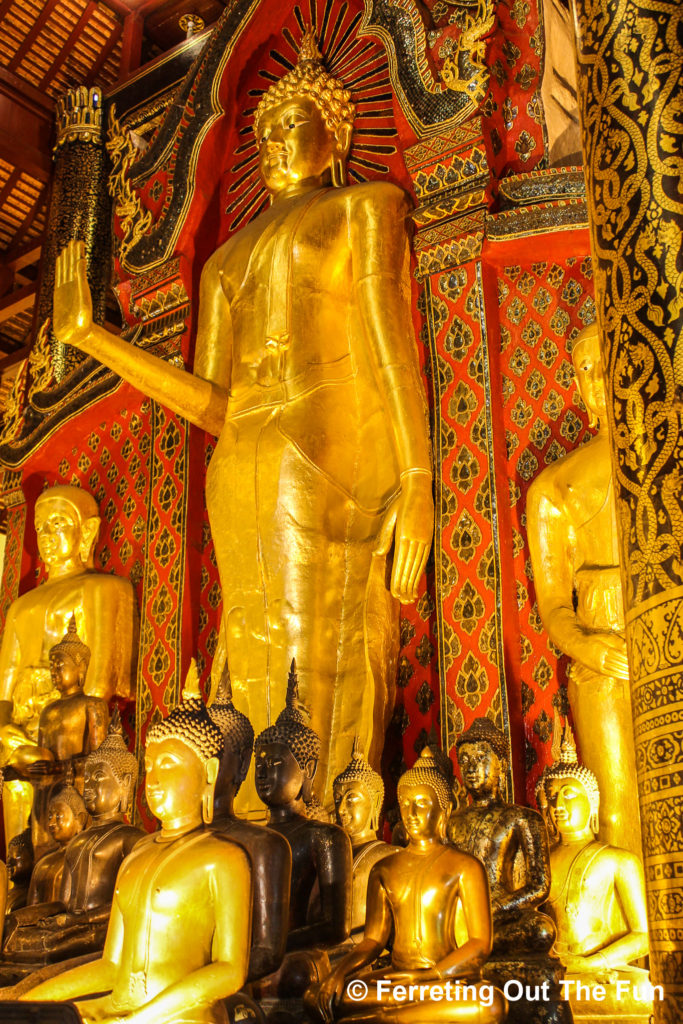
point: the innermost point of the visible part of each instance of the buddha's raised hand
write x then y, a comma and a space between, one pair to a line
72, 309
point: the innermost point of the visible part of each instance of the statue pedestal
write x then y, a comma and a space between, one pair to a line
537, 981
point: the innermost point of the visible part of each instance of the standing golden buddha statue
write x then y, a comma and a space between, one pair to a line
597, 900
571, 523
178, 937
306, 369
358, 798
416, 893
67, 524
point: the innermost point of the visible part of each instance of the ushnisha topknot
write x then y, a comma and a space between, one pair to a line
115, 753
190, 723
309, 78
567, 767
483, 730
237, 730
72, 645
426, 772
359, 770
291, 727
69, 795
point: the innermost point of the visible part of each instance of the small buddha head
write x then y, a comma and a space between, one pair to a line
590, 377
110, 773
69, 660
67, 524
483, 756
287, 753
66, 814
182, 757
358, 796
572, 793
303, 124
238, 738
20, 858
424, 799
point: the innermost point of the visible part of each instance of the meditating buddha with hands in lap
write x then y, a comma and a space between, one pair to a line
306, 368
178, 938
416, 892
597, 898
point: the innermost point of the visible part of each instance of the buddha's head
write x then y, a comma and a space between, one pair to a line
303, 124
483, 756
66, 814
20, 858
69, 660
67, 524
590, 377
287, 753
110, 774
358, 797
424, 800
182, 757
572, 794
238, 739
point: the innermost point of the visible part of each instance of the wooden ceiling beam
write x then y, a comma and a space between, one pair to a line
25, 256
26, 125
13, 356
31, 37
104, 53
90, 8
18, 302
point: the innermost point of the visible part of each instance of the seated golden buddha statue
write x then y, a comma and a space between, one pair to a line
358, 798
67, 524
306, 370
66, 817
286, 762
178, 938
574, 547
417, 891
76, 923
268, 852
597, 899
510, 841
19, 867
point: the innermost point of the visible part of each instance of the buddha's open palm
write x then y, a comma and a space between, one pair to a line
72, 310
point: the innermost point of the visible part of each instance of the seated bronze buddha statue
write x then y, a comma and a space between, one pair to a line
510, 841
416, 891
268, 852
66, 817
178, 937
286, 763
358, 797
19, 867
77, 922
